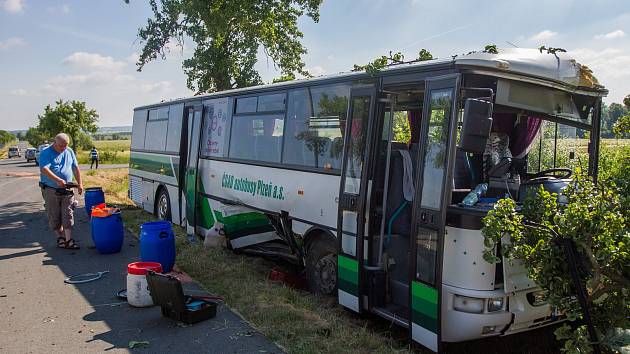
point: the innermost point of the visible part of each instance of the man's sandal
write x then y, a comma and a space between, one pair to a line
71, 245
61, 242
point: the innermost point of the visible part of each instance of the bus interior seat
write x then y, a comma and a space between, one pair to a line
462, 176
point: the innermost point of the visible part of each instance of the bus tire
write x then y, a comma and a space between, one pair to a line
163, 205
321, 267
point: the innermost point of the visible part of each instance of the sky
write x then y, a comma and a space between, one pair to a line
86, 50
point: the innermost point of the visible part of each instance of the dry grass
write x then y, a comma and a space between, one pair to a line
298, 321
5, 149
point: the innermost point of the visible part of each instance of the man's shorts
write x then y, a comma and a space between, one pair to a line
59, 209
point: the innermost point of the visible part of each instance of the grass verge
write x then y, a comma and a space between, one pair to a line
297, 320
109, 151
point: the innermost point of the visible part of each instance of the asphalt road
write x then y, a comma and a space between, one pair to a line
42, 314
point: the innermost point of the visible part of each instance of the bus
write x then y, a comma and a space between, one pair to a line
361, 179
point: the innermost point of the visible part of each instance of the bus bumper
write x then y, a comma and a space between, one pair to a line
458, 326
517, 315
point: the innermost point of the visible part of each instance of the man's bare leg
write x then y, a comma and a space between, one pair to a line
68, 233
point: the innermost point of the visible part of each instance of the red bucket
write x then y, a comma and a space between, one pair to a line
141, 268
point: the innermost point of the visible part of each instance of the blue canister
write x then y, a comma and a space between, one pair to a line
93, 196
108, 233
157, 244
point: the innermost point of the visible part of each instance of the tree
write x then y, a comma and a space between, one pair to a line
71, 117
36, 137
615, 111
6, 137
384, 61
595, 221
228, 35
621, 128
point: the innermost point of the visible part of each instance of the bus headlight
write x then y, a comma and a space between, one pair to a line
468, 304
495, 304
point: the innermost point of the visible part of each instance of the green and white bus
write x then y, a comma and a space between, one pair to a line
360, 179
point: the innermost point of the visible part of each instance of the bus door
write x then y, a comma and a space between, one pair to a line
353, 195
437, 138
189, 162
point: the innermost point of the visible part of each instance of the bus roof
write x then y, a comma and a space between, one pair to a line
558, 70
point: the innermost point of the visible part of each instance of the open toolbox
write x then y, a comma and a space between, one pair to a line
166, 291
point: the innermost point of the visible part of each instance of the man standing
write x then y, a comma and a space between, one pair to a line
57, 164
94, 156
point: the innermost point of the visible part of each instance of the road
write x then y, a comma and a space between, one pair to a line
42, 314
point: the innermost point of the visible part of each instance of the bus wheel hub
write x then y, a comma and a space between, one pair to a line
326, 274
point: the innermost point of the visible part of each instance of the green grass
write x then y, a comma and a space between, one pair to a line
109, 151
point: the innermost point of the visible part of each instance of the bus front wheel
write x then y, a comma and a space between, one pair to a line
321, 268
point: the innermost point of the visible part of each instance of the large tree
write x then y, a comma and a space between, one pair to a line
70, 117
228, 35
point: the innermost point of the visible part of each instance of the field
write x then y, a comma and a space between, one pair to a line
109, 151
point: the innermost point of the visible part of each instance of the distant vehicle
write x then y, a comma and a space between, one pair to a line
30, 154
14, 151
39, 150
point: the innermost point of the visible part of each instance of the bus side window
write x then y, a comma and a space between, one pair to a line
257, 137
315, 119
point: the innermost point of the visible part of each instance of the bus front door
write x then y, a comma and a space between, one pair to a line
352, 195
190, 159
438, 132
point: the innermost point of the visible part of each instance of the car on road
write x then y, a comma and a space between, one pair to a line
39, 150
14, 151
30, 154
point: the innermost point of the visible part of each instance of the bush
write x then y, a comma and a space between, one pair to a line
594, 218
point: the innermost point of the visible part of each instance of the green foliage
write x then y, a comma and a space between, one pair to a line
70, 117
36, 137
621, 127
380, 63
384, 61
491, 48
424, 55
227, 37
402, 132
5, 137
84, 141
283, 78
594, 218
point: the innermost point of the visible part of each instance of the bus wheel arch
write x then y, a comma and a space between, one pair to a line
162, 208
321, 261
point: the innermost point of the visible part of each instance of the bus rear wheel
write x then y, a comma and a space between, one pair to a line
163, 205
321, 268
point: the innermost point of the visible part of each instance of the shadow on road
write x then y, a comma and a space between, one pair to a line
23, 229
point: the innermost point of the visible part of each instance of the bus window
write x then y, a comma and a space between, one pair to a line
174, 128
246, 104
257, 137
315, 119
273, 102
556, 145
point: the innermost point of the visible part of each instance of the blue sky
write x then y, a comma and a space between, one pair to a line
86, 50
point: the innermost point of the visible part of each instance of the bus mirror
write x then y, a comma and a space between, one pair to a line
476, 127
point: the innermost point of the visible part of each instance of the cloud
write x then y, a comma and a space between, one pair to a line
13, 6
61, 9
611, 35
611, 66
94, 61
19, 92
317, 71
12, 42
543, 36
133, 58
88, 36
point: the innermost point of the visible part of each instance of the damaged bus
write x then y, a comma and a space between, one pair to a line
361, 179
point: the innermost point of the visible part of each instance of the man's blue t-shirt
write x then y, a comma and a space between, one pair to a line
59, 163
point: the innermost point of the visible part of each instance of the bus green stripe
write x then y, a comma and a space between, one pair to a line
424, 321
154, 163
348, 287
424, 292
348, 263
427, 308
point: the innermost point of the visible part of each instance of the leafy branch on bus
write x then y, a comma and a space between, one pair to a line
596, 219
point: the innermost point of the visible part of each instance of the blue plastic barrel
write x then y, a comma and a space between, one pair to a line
108, 233
93, 196
157, 244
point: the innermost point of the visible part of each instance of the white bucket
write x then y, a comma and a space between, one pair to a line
138, 294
